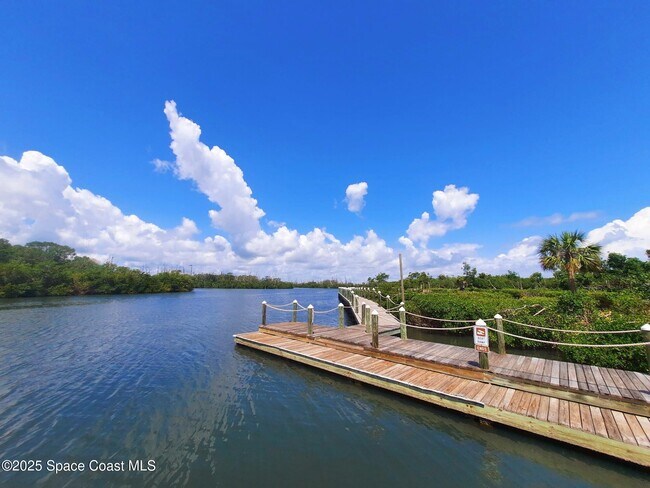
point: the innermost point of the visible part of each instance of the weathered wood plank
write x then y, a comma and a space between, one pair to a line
637, 431
599, 422
585, 415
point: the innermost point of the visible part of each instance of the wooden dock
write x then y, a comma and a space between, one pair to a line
600, 409
388, 324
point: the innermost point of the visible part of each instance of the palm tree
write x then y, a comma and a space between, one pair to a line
568, 251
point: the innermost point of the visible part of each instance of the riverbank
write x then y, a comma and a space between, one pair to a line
555, 309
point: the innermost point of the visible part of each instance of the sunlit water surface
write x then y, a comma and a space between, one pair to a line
158, 377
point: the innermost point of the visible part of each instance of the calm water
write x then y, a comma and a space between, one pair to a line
158, 378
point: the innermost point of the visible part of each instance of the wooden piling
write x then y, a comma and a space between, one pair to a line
402, 323
363, 314
483, 359
645, 329
310, 319
375, 329
366, 320
501, 339
341, 316
294, 314
264, 313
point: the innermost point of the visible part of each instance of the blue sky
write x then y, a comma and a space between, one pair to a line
539, 108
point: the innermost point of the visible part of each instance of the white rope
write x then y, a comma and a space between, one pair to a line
283, 305
327, 311
568, 343
444, 320
441, 328
574, 331
279, 309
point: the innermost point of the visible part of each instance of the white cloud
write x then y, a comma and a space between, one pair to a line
37, 202
354, 196
275, 224
217, 176
557, 219
454, 204
449, 258
162, 166
630, 237
451, 206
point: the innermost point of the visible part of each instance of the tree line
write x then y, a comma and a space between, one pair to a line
50, 269
575, 265
230, 280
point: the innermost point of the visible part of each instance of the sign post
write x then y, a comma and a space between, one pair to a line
482, 343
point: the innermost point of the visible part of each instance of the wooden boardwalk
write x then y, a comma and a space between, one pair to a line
600, 409
388, 324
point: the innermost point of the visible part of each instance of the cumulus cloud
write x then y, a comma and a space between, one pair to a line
217, 176
630, 237
557, 219
37, 202
451, 207
448, 259
354, 196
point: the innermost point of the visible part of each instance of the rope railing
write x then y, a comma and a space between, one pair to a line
301, 308
567, 343
279, 309
573, 331
524, 338
283, 305
330, 310
443, 320
462, 327
395, 308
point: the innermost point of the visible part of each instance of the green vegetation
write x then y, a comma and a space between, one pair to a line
567, 252
613, 296
49, 269
230, 280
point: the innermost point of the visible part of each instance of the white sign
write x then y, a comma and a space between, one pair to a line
481, 338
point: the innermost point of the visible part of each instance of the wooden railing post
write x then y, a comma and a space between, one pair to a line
501, 338
264, 312
310, 319
483, 359
363, 313
402, 322
341, 316
294, 314
645, 329
375, 329
366, 320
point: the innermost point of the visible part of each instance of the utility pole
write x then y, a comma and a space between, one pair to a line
401, 276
